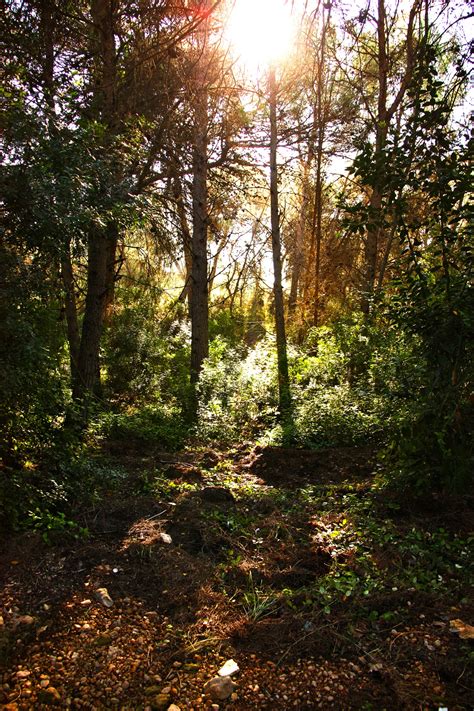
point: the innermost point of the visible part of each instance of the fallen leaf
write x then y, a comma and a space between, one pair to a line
462, 629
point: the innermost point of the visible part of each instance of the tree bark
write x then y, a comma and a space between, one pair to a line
102, 241
88, 371
70, 308
200, 295
187, 292
321, 117
111, 270
376, 197
284, 394
298, 258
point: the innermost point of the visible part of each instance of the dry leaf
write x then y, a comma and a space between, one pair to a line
462, 629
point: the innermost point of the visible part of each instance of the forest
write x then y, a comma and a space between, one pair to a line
237, 354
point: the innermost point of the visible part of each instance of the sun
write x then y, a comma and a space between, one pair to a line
260, 32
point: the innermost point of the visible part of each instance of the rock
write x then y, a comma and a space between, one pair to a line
219, 688
161, 702
152, 690
25, 620
173, 707
103, 640
166, 538
49, 696
23, 674
216, 495
229, 668
102, 595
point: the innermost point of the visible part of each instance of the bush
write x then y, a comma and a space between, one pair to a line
146, 357
237, 391
155, 423
33, 389
49, 497
351, 384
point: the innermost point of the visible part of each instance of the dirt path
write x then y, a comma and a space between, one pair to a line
253, 556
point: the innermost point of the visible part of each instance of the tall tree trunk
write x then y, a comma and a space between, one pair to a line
111, 270
200, 291
88, 372
284, 395
70, 308
298, 255
187, 292
376, 198
321, 119
102, 241
199, 302
48, 29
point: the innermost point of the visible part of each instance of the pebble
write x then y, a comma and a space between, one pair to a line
102, 595
229, 668
49, 695
219, 688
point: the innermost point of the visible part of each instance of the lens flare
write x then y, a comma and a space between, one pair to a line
260, 32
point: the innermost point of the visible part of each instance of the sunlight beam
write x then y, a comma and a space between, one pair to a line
260, 33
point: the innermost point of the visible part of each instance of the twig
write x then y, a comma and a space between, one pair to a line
150, 518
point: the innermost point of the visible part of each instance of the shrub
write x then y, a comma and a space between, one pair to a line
237, 391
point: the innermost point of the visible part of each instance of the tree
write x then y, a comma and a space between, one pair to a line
282, 355
386, 67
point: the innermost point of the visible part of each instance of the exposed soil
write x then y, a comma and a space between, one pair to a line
182, 608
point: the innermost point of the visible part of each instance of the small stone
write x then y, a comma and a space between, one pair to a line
152, 690
161, 702
102, 595
23, 674
173, 707
103, 640
44, 683
86, 602
229, 668
166, 538
26, 620
49, 696
219, 688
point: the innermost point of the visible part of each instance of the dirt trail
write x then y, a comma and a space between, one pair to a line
209, 556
